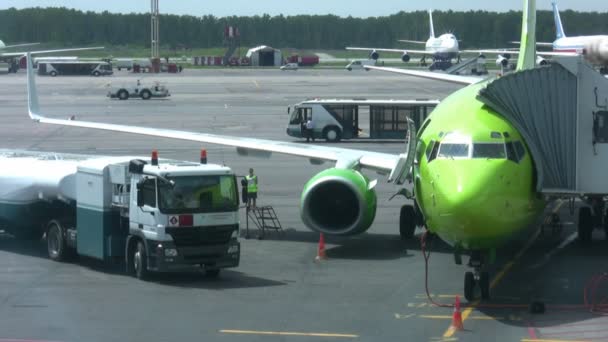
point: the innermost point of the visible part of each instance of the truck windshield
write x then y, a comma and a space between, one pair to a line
198, 194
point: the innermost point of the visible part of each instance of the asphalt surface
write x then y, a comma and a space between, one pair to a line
370, 289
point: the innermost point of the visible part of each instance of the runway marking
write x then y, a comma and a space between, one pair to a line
465, 314
21, 340
286, 333
478, 318
561, 246
256, 84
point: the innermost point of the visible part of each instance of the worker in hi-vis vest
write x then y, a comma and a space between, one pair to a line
252, 188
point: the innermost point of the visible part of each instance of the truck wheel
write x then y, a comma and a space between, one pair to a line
96, 73
349, 69
140, 261
55, 243
332, 134
145, 94
212, 273
123, 94
53, 73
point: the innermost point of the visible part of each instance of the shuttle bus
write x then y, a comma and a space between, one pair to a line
337, 119
74, 67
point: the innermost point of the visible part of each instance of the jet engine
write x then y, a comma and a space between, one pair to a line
338, 202
503, 60
541, 61
374, 55
405, 57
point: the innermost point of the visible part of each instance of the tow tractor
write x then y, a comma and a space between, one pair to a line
144, 91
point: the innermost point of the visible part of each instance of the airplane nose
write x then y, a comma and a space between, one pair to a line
475, 198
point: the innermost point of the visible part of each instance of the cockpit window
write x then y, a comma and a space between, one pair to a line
489, 150
453, 150
515, 151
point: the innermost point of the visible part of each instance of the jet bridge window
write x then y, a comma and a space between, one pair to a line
489, 150
600, 126
454, 150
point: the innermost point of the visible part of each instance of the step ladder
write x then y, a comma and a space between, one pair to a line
263, 218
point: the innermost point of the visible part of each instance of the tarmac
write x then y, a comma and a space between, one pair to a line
371, 288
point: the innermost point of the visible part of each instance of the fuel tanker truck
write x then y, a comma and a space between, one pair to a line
156, 215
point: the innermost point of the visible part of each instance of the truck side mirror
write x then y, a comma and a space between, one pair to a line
140, 195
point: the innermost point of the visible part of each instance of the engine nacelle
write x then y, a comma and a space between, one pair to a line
596, 52
405, 58
374, 55
541, 61
502, 61
338, 202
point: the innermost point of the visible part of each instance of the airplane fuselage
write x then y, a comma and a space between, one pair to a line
443, 47
575, 44
474, 175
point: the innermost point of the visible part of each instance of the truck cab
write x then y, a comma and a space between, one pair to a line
182, 214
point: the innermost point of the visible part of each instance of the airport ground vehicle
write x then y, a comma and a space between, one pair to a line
336, 119
359, 64
289, 66
74, 67
155, 216
123, 63
146, 92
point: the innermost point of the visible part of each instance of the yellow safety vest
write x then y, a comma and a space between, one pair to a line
252, 183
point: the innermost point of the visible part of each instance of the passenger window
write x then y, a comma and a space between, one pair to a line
511, 153
489, 150
450, 150
434, 152
429, 149
148, 190
520, 150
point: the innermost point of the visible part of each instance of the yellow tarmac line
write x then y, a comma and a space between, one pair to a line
287, 333
465, 314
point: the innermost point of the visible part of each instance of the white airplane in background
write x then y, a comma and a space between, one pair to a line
442, 49
562, 45
12, 57
4, 46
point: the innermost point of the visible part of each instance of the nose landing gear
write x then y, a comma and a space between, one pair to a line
479, 277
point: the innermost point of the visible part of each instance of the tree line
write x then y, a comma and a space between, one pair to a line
474, 28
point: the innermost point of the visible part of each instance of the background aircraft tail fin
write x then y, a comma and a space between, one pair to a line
32, 94
527, 48
559, 28
2, 44
432, 27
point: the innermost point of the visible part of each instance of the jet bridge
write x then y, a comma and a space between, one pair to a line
562, 112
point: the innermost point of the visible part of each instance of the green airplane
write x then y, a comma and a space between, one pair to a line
473, 173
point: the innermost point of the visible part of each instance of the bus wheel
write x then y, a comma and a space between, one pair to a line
53, 73
146, 94
96, 73
332, 134
123, 94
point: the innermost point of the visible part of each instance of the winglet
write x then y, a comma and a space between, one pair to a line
32, 94
431, 23
527, 48
559, 28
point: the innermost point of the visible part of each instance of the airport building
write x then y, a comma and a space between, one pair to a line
265, 56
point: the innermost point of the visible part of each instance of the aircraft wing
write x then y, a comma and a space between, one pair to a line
430, 75
411, 41
548, 44
18, 45
380, 162
515, 52
17, 54
408, 51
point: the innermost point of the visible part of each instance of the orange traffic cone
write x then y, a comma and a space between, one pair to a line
457, 316
321, 250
